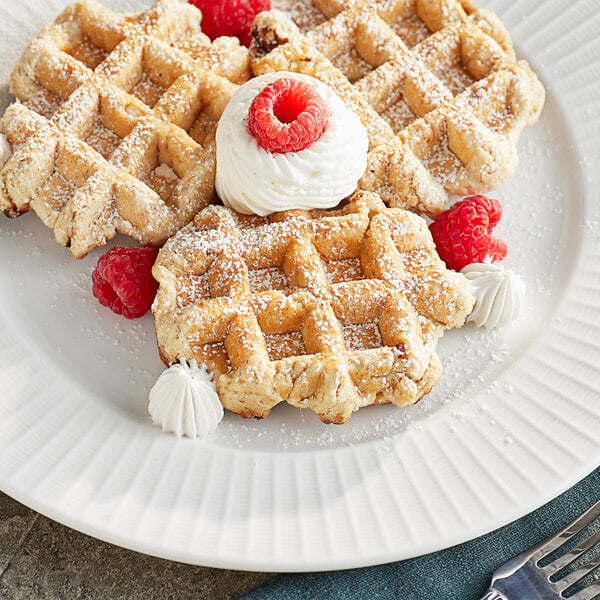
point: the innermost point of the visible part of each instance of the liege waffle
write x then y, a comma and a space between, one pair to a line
114, 130
329, 311
438, 88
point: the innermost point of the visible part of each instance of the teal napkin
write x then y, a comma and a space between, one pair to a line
459, 573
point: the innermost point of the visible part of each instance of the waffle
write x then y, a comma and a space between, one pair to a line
330, 311
114, 130
435, 83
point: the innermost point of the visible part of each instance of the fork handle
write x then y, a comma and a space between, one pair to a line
492, 594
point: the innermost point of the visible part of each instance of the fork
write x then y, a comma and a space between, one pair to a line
523, 579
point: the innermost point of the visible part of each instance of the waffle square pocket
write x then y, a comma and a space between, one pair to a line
436, 84
113, 130
329, 311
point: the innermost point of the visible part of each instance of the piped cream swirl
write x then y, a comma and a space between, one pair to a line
251, 179
499, 294
184, 400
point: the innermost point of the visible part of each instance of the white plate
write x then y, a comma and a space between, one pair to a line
515, 421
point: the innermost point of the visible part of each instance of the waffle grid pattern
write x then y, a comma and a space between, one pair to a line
436, 84
327, 311
115, 128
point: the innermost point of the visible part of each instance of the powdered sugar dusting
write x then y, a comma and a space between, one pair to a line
406, 65
540, 222
533, 224
103, 139
362, 337
303, 12
119, 86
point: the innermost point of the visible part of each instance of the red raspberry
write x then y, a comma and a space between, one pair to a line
287, 115
463, 233
122, 280
229, 17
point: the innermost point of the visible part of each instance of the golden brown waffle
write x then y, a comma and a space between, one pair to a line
329, 311
411, 20
115, 128
435, 83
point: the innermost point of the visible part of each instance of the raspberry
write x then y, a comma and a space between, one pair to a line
287, 115
462, 234
122, 280
229, 17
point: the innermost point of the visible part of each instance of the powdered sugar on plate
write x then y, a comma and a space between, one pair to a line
117, 359
541, 223
48, 297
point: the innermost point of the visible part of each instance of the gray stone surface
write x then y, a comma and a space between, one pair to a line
41, 559
16, 522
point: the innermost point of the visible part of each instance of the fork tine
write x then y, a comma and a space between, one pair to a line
562, 561
588, 592
568, 532
572, 578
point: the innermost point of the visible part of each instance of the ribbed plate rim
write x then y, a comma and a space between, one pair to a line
582, 299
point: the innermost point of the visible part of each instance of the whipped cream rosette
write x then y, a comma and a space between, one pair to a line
251, 179
499, 294
184, 400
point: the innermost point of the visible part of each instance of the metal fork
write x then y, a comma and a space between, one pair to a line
523, 579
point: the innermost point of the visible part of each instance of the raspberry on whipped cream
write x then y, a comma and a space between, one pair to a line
287, 116
250, 179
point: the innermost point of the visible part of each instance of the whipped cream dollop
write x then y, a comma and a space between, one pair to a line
499, 294
184, 400
5, 149
251, 179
